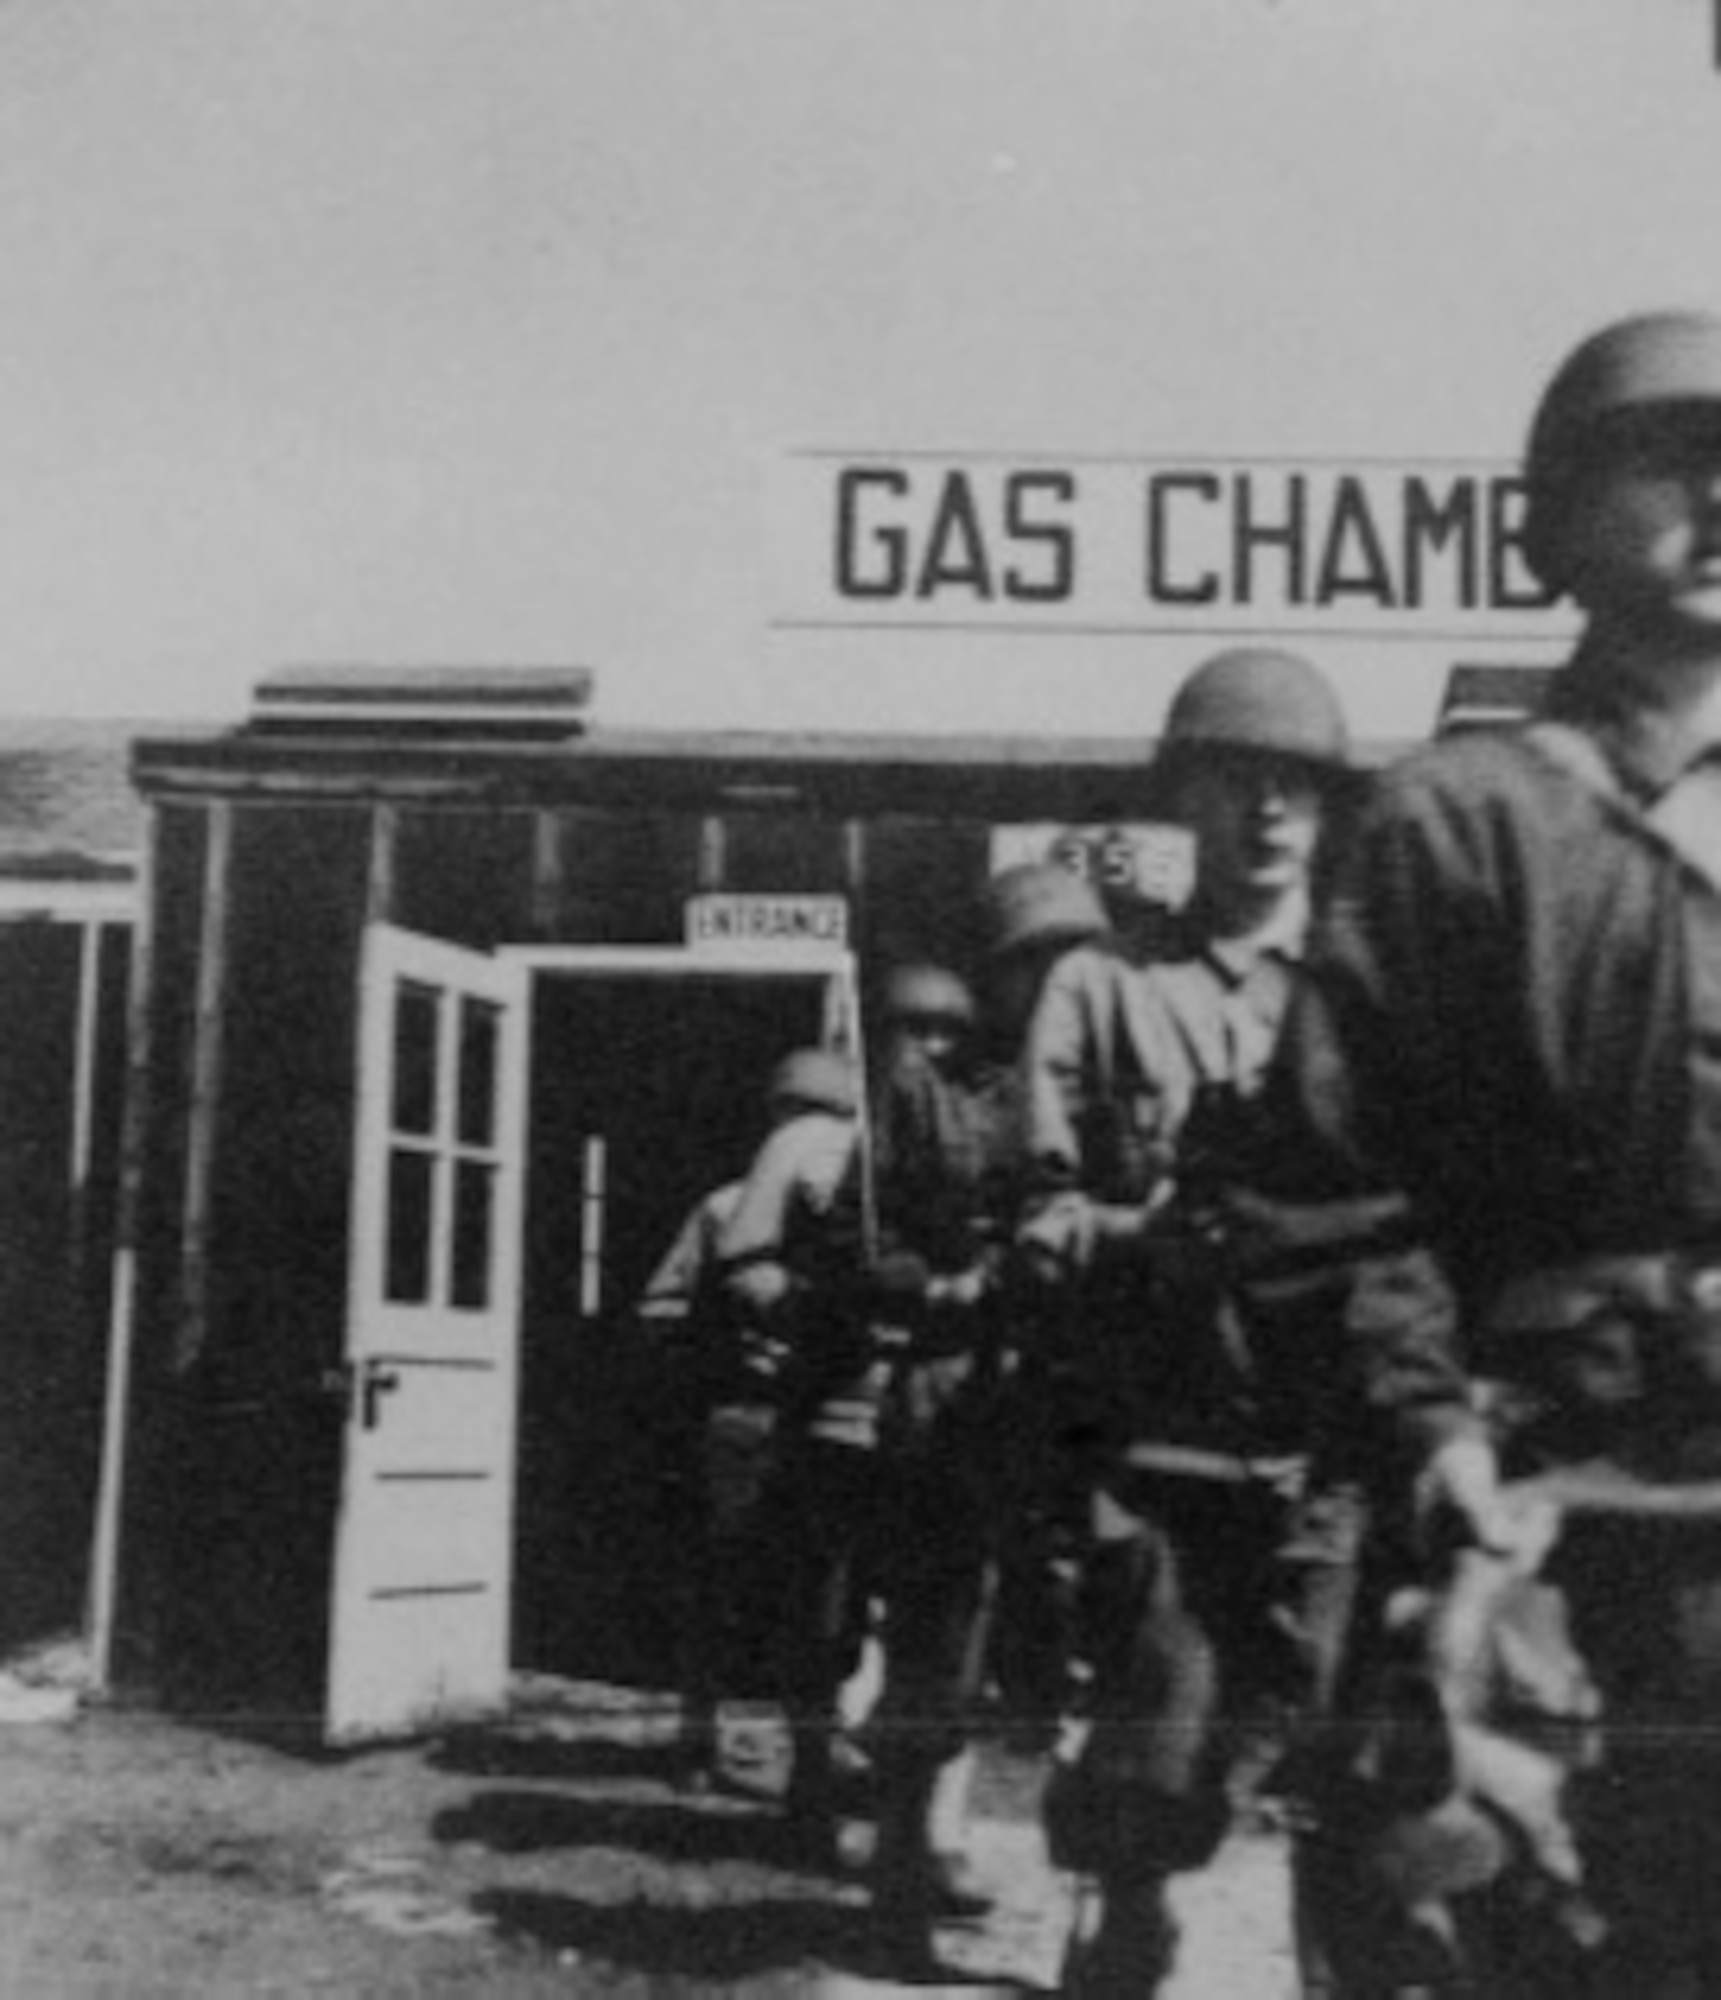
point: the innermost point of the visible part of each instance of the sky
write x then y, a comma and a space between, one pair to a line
530, 332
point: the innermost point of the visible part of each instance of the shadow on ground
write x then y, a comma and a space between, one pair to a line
727, 1943
509, 1822
482, 1753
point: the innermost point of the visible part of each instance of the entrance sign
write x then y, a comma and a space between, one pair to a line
726, 922
423, 1558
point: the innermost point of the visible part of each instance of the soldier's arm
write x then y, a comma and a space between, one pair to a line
1338, 1163
752, 1244
667, 1300
1073, 1221
796, 1170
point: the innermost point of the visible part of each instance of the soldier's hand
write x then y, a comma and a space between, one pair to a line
759, 1289
1071, 1235
960, 1288
1133, 1232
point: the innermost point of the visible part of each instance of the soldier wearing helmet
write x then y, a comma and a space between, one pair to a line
928, 1008
1255, 754
1512, 1030
936, 1153
1033, 913
791, 1257
724, 1362
1142, 1084
948, 1158
812, 1079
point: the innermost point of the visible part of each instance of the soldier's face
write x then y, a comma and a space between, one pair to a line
1645, 523
934, 1038
1256, 821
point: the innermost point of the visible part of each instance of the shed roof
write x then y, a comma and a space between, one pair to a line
68, 807
72, 791
837, 775
662, 770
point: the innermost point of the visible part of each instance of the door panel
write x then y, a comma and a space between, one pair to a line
423, 1559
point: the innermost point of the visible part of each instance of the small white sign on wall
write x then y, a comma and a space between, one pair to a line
1151, 861
766, 923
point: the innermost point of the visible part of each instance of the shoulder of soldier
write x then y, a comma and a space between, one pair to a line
1096, 967
1108, 1000
798, 1146
798, 1167
1456, 799
1085, 988
1473, 765
1172, 982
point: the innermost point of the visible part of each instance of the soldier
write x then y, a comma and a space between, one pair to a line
949, 1159
933, 1282
792, 1258
724, 1370
1034, 914
1515, 1024
1142, 1081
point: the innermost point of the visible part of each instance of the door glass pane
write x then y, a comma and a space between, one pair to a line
479, 1027
474, 1188
415, 1015
407, 1265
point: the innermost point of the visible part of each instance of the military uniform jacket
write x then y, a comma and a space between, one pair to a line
1515, 1022
1120, 1061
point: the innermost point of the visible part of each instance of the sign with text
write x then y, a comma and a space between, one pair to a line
767, 922
1174, 544
1150, 861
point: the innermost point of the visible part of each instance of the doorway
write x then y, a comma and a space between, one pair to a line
648, 1071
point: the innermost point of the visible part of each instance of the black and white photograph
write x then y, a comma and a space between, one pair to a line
860, 999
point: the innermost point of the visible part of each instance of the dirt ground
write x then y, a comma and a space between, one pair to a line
551, 1853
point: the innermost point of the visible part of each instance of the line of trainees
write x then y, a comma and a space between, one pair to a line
1277, 1364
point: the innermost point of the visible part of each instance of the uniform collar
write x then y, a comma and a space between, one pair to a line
1283, 937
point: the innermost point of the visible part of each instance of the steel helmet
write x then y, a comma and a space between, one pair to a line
814, 1080
1263, 699
927, 993
1037, 902
1656, 359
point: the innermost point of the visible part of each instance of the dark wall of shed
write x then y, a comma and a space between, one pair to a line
158, 1412
464, 875
39, 1304
74, 1391
792, 854
485, 877
617, 878
922, 893
254, 1550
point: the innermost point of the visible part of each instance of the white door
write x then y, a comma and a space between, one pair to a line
421, 1600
